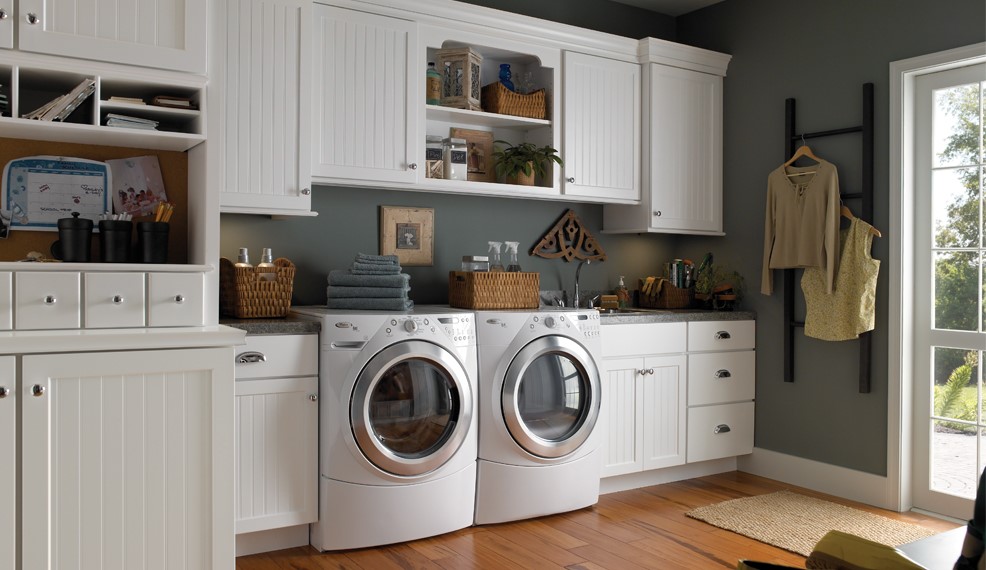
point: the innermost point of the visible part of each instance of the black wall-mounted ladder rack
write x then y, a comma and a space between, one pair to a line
792, 139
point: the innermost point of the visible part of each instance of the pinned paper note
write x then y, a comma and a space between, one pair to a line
138, 186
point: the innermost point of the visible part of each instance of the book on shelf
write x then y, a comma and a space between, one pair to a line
174, 102
130, 100
115, 120
59, 108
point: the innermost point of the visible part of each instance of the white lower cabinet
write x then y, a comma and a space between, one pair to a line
8, 467
125, 459
276, 424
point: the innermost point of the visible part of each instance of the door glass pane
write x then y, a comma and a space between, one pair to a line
956, 110
956, 206
413, 408
553, 397
954, 461
957, 290
956, 374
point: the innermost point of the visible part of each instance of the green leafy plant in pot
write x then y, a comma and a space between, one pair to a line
717, 286
519, 164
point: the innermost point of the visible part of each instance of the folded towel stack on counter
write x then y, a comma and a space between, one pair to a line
374, 282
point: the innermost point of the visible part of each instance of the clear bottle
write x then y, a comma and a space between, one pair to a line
512, 264
495, 263
433, 85
622, 294
243, 259
267, 260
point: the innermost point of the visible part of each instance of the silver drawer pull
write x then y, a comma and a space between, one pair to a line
723, 373
38, 390
313, 397
4, 391
49, 300
722, 428
117, 299
250, 357
179, 299
722, 335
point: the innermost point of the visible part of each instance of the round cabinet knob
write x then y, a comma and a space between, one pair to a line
413, 166
50, 300
117, 299
3, 14
410, 326
313, 397
570, 180
37, 390
4, 391
657, 213
32, 18
179, 299
550, 322
306, 191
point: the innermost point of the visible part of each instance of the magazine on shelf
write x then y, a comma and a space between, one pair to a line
115, 120
174, 102
59, 108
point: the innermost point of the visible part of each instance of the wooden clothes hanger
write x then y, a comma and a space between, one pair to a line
803, 151
847, 213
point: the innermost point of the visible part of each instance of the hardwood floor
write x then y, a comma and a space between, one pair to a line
630, 530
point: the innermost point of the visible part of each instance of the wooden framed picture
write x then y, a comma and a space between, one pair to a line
408, 233
479, 154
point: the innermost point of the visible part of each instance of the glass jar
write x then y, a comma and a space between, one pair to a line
454, 158
475, 263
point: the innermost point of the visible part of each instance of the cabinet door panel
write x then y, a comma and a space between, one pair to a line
168, 34
363, 95
620, 414
8, 463
602, 127
663, 411
118, 459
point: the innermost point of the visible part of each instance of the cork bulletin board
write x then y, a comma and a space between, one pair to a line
174, 169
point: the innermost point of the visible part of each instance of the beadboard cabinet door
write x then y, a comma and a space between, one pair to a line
8, 462
127, 460
7, 24
363, 96
601, 128
264, 106
167, 34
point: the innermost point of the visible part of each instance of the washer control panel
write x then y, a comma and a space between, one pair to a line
584, 324
459, 328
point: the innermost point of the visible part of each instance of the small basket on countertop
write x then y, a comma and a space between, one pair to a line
669, 297
493, 290
246, 292
498, 99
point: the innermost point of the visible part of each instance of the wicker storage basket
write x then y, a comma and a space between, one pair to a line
670, 297
493, 290
245, 294
498, 99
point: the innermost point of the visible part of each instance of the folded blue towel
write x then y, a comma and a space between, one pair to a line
371, 304
344, 277
378, 259
349, 292
375, 269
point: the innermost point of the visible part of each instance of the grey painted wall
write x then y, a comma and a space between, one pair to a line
819, 53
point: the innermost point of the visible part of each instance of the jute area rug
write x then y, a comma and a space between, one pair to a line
796, 522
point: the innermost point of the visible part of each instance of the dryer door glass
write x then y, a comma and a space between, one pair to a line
550, 396
411, 408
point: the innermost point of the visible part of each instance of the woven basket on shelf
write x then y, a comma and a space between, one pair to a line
493, 290
246, 292
670, 297
498, 99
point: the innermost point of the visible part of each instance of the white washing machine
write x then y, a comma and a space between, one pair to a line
539, 402
397, 425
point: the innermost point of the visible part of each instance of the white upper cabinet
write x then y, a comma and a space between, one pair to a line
167, 34
602, 128
7, 24
682, 144
363, 91
262, 101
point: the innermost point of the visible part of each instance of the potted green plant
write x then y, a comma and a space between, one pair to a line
718, 286
520, 163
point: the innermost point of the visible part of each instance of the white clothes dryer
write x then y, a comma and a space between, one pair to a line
539, 404
398, 425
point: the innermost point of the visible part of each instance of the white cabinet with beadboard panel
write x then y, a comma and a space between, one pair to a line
363, 92
166, 34
262, 97
8, 463
602, 128
127, 458
7, 21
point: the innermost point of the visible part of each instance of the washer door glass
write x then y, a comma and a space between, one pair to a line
551, 396
411, 408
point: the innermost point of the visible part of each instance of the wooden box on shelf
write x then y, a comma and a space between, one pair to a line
493, 290
460, 69
256, 292
498, 99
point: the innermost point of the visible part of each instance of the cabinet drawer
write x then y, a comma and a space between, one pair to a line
48, 300
277, 356
721, 335
6, 301
175, 299
643, 338
721, 377
720, 431
114, 300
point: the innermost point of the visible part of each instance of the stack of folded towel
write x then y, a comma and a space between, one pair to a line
374, 282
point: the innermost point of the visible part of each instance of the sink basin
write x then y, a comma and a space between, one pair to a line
629, 311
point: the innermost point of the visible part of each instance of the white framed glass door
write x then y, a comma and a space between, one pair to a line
949, 447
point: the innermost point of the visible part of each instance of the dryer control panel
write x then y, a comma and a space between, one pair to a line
460, 329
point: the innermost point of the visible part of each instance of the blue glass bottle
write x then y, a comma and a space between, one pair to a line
505, 76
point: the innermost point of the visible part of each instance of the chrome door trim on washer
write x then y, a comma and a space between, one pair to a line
510, 405
359, 409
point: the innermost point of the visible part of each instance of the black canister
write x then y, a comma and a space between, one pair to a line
114, 240
74, 239
152, 242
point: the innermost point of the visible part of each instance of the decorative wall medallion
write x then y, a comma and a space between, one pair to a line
569, 239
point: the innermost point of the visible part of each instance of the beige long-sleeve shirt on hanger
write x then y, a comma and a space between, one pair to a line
801, 226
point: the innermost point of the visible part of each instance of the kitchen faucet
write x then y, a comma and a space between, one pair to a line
578, 270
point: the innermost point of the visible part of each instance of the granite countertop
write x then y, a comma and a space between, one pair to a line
673, 316
290, 324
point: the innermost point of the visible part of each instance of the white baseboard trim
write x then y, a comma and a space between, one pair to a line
666, 475
817, 476
270, 540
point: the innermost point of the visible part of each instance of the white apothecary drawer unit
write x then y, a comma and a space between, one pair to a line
114, 300
48, 300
